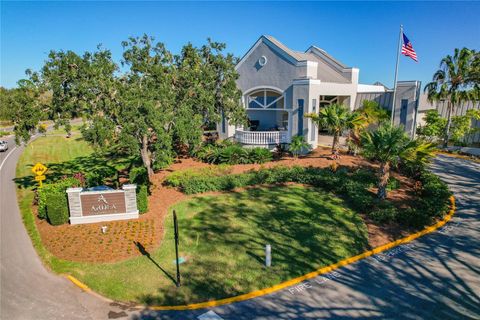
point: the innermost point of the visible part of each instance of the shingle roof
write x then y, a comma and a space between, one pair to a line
297, 55
329, 69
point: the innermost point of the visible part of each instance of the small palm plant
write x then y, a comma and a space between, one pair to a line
298, 144
389, 145
336, 118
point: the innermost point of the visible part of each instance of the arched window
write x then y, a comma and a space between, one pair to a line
265, 99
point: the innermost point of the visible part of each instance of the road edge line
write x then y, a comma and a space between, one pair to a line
78, 283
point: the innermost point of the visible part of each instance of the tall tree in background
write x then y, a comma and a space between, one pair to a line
26, 108
205, 91
158, 105
453, 83
146, 104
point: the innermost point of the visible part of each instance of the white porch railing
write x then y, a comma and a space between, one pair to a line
261, 137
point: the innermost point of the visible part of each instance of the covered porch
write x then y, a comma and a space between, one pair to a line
268, 120
261, 138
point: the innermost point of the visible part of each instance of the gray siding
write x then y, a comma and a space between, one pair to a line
278, 72
384, 99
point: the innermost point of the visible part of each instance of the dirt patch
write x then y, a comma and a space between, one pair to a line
87, 243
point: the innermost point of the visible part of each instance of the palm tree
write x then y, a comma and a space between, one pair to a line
389, 145
453, 83
373, 113
298, 144
336, 118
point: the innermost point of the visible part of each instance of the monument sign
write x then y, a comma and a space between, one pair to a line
102, 205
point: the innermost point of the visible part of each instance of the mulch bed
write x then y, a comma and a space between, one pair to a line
87, 243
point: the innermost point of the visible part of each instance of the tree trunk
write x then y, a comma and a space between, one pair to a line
335, 143
146, 157
449, 123
384, 174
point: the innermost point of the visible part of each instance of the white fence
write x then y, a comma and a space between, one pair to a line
261, 137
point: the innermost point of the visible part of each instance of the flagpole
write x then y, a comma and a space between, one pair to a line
392, 116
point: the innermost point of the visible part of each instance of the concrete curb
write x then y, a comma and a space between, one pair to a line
297, 280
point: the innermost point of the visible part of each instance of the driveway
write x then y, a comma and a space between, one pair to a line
434, 277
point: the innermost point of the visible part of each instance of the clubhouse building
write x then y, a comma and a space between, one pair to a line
280, 85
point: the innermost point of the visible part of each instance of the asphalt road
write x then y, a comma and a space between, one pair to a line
434, 277
28, 290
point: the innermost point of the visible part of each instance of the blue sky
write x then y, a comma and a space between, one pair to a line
360, 34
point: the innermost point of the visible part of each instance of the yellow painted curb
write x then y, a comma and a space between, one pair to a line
307, 276
317, 272
79, 284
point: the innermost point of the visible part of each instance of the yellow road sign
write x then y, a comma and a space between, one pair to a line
40, 178
39, 169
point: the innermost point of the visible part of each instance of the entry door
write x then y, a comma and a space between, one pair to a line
300, 117
403, 112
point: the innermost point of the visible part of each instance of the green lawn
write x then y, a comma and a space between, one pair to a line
222, 237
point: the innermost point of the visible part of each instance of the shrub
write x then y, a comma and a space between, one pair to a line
384, 212
434, 195
232, 153
433, 202
393, 184
59, 186
178, 178
298, 145
412, 217
366, 176
358, 197
142, 198
260, 155
57, 208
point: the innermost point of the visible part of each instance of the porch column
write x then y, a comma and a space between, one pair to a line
290, 124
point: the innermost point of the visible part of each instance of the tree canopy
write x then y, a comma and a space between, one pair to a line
153, 104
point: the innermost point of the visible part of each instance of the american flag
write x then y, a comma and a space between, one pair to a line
407, 48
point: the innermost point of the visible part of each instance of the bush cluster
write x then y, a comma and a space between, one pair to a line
53, 202
139, 176
432, 201
353, 186
142, 198
232, 153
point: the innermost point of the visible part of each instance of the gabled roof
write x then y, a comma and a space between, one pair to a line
311, 54
332, 69
297, 55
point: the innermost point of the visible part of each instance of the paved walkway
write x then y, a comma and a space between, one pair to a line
435, 277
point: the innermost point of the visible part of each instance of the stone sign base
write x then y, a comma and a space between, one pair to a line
99, 206
101, 218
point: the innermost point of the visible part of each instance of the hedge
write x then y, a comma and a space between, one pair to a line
57, 208
142, 198
432, 202
60, 187
232, 153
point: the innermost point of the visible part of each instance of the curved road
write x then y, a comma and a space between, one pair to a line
28, 290
434, 277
